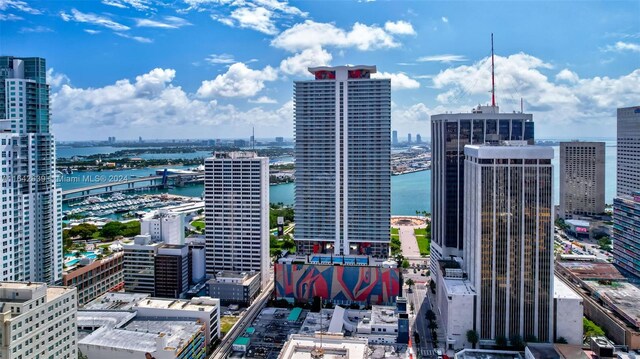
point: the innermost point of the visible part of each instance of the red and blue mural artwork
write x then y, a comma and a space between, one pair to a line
363, 284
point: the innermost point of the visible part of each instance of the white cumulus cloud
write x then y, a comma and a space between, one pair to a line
622, 46
399, 27
264, 99
56, 79
238, 81
152, 106
311, 34
399, 81
559, 102
256, 18
298, 63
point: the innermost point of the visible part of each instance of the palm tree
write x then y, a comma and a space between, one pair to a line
472, 337
410, 283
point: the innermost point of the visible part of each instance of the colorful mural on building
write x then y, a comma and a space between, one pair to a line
340, 284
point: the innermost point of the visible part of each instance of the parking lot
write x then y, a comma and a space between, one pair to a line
271, 330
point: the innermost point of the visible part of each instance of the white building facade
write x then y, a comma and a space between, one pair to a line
37, 321
31, 201
342, 150
237, 213
508, 249
164, 226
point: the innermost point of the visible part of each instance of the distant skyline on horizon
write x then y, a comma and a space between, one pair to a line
213, 68
271, 139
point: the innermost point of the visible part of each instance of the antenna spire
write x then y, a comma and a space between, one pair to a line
493, 80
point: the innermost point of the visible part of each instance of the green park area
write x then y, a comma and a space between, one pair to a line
226, 322
199, 225
423, 236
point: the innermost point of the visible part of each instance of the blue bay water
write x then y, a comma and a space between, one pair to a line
409, 192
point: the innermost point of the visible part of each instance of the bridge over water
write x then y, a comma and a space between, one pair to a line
127, 185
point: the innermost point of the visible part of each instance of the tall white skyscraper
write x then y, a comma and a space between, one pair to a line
449, 134
237, 213
508, 239
31, 229
581, 179
628, 155
343, 150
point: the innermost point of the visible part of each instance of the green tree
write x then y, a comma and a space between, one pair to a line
561, 340
405, 264
473, 338
431, 315
590, 328
432, 285
410, 283
112, 229
433, 325
531, 339
517, 342
501, 341
83, 230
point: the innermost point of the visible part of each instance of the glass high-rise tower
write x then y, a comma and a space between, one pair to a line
449, 134
343, 162
31, 228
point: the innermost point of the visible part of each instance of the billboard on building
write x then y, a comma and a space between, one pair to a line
338, 283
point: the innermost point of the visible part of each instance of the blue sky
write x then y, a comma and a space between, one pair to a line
215, 68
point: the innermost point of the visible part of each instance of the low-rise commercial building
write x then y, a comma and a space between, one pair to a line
578, 228
37, 321
94, 277
147, 338
139, 264
609, 300
204, 309
235, 287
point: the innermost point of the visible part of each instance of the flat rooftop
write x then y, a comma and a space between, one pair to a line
620, 297
205, 303
115, 301
329, 259
459, 286
383, 315
141, 335
592, 270
562, 291
577, 222
98, 318
334, 347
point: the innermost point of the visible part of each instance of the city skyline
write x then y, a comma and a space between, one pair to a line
437, 61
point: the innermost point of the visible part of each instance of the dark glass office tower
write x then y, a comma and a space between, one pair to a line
449, 134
